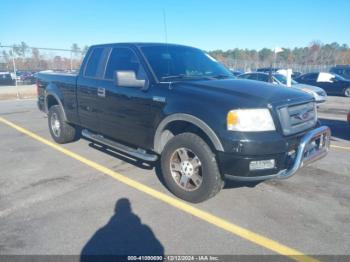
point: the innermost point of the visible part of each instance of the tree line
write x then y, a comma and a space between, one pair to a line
317, 53
37, 58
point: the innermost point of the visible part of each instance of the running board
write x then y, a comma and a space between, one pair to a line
138, 153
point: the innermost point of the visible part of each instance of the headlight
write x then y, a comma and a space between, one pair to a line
250, 120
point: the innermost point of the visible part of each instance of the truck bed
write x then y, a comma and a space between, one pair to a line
57, 76
62, 82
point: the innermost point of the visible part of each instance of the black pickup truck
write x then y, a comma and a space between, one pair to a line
179, 106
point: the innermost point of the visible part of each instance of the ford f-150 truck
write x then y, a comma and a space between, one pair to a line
177, 106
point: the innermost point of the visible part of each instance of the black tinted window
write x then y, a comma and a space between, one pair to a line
94, 67
347, 73
124, 59
310, 77
245, 76
263, 77
249, 76
253, 77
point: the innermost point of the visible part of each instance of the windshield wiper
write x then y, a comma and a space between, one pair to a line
221, 76
196, 77
187, 77
179, 76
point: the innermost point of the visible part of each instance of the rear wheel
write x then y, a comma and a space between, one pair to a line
189, 168
60, 130
347, 92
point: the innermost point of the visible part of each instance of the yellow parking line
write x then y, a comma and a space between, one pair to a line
341, 147
203, 215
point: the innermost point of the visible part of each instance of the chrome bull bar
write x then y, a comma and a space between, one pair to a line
313, 146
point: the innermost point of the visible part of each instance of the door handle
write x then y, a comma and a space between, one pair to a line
101, 92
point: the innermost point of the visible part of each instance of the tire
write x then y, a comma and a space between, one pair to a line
60, 130
205, 168
347, 92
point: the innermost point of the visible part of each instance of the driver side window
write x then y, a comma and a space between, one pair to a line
124, 59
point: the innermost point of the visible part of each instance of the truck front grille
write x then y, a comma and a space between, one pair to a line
297, 118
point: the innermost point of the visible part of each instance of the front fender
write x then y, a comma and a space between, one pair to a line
158, 145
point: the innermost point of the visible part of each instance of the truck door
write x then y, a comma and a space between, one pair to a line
90, 79
127, 114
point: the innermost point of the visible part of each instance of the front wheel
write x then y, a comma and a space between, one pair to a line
347, 92
189, 168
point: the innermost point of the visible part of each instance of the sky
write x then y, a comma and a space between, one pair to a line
206, 24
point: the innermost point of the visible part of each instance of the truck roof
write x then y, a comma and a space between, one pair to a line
139, 44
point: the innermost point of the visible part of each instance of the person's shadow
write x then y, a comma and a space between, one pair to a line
122, 235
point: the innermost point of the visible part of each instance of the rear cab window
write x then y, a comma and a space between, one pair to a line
96, 63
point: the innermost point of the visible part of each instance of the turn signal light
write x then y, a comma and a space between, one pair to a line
232, 118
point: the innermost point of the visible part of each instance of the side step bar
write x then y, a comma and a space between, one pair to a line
138, 153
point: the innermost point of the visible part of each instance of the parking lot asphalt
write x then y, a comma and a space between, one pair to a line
53, 203
19, 91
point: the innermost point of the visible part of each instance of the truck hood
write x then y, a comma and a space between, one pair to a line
259, 92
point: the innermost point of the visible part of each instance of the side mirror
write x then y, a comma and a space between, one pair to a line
128, 79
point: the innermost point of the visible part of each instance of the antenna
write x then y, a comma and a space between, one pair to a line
166, 40
165, 26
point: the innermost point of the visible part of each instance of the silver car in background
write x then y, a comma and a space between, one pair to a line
318, 93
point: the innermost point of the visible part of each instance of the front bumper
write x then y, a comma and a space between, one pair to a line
312, 146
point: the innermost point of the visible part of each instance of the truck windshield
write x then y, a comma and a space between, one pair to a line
179, 62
